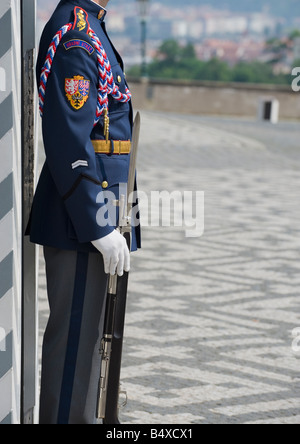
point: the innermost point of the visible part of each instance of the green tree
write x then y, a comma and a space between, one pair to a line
170, 52
174, 61
296, 63
215, 70
189, 52
294, 34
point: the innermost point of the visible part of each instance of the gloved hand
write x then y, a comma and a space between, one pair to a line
115, 253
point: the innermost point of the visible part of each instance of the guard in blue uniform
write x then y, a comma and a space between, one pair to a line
87, 119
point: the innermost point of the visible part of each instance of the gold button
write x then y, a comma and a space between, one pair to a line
119, 78
105, 184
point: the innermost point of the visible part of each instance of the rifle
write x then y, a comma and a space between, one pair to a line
112, 341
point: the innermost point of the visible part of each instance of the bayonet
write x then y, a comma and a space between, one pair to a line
112, 342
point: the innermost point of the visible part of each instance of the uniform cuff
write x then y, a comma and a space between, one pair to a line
83, 209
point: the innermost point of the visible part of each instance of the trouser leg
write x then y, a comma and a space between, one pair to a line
77, 287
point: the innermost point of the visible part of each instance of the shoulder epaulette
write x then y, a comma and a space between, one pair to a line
81, 20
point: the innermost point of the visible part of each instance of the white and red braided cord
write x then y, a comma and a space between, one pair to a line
48, 63
107, 85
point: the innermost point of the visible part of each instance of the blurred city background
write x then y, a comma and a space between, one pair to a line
228, 40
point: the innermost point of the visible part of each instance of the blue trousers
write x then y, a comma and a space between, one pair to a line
77, 286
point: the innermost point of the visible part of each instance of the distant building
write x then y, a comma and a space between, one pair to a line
230, 51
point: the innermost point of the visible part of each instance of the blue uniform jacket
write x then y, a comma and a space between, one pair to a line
67, 199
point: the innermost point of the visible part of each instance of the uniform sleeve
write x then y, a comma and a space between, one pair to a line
68, 120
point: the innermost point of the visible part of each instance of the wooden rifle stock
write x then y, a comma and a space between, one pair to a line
112, 402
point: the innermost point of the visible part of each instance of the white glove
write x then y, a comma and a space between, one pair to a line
115, 253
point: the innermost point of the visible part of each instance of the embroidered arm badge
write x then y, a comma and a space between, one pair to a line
77, 43
77, 91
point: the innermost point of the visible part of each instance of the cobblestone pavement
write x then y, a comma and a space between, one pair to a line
210, 319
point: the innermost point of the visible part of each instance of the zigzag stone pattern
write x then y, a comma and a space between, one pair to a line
209, 322
210, 319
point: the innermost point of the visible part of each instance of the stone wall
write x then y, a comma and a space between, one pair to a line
212, 98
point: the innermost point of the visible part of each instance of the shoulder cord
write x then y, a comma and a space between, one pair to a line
48, 64
106, 80
107, 84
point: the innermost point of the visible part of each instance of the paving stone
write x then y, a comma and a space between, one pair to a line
209, 324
